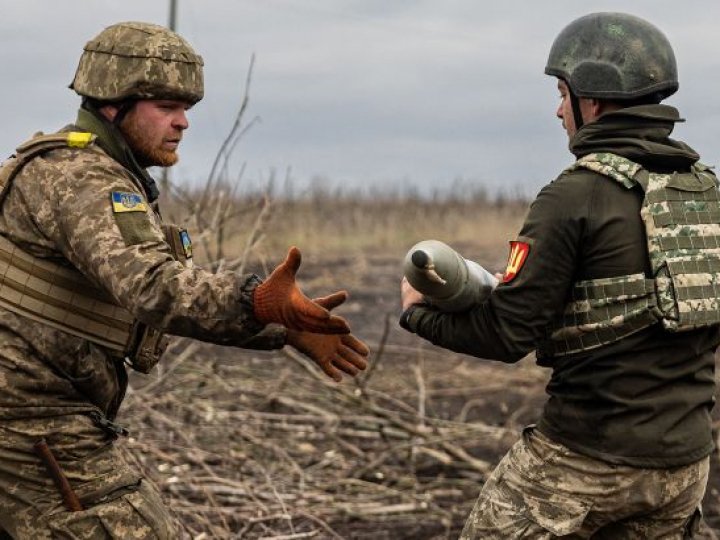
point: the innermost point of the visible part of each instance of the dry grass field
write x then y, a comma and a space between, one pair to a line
248, 444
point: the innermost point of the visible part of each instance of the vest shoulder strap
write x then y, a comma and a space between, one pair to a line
613, 166
37, 145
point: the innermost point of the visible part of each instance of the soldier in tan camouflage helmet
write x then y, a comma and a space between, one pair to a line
90, 278
614, 282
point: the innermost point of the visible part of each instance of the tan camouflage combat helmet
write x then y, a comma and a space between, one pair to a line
614, 56
136, 60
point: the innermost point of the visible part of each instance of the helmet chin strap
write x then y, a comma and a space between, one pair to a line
122, 110
577, 115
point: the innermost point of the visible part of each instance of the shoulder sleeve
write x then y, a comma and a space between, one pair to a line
88, 206
541, 269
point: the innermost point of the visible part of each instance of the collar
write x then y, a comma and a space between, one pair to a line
111, 140
640, 133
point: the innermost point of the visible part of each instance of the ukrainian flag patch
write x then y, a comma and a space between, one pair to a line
186, 243
123, 201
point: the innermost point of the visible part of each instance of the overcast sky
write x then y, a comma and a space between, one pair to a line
361, 92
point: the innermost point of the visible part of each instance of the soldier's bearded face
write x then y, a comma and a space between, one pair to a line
153, 129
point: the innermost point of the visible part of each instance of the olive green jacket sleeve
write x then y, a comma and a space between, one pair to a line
60, 205
510, 323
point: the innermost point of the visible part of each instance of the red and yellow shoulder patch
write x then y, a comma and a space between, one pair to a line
518, 255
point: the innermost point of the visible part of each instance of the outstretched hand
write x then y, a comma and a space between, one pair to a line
279, 300
335, 354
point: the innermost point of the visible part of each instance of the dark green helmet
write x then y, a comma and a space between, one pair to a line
135, 60
614, 56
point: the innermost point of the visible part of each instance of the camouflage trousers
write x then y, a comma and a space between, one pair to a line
117, 502
542, 490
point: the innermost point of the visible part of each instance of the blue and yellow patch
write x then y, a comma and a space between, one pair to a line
123, 201
186, 243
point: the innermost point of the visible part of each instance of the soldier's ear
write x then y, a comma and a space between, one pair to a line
109, 111
591, 109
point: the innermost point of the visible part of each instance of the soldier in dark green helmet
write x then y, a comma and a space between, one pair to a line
614, 281
90, 278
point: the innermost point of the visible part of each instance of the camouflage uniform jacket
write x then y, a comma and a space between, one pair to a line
59, 208
643, 401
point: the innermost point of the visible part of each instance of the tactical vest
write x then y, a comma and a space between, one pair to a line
681, 213
62, 297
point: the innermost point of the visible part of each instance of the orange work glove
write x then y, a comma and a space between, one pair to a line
334, 354
279, 300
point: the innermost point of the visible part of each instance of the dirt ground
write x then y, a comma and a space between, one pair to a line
258, 445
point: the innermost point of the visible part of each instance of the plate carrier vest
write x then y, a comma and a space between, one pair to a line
62, 297
681, 212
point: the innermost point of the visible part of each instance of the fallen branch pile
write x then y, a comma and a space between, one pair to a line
261, 445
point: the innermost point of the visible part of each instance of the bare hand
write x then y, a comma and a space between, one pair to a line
408, 295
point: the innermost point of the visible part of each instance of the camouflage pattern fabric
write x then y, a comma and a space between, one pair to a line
681, 213
139, 60
602, 311
68, 390
60, 207
543, 490
637, 411
117, 501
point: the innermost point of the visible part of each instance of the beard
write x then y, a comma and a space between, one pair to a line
146, 152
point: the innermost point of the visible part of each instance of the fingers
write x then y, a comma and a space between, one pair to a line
337, 366
355, 344
330, 371
336, 325
336, 355
350, 356
307, 309
289, 266
327, 324
304, 314
293, 259
345, 366
333, 300
409, 295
